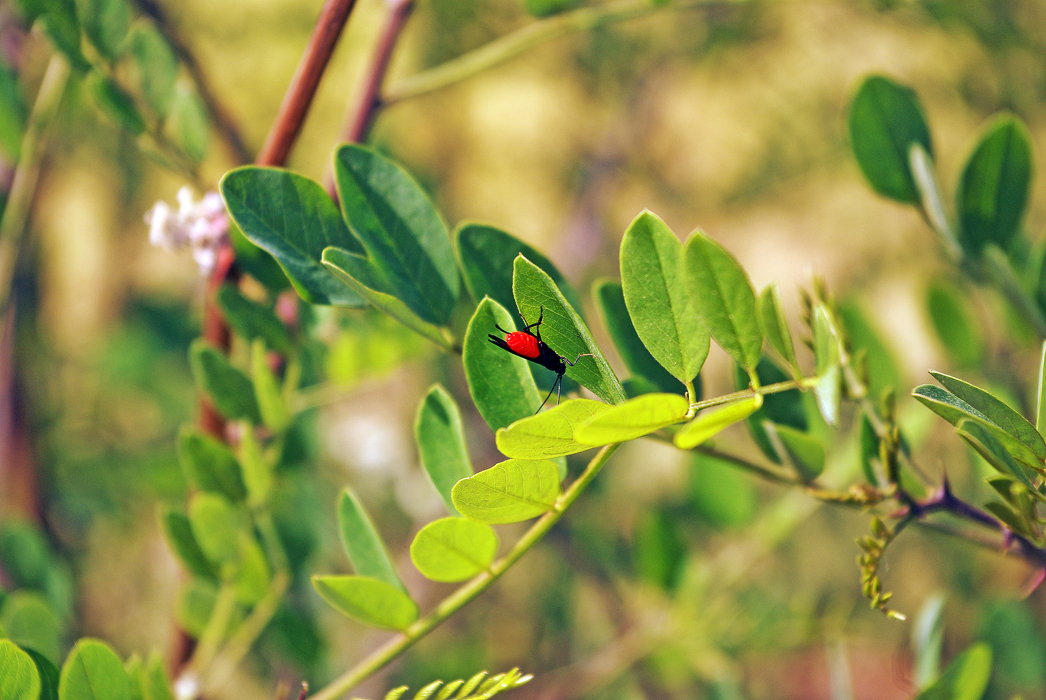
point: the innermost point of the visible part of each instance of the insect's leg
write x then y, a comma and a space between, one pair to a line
580, 355
537, 325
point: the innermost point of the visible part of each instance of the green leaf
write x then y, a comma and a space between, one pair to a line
257, 468
828, 390
19, 679
157, 67
610, 300
1040, 406
453, 549
927, 637
178, 532
105, 22
957, 328
563, 330
272, 403
710, 423
500, 383
993, 189
252, 577
441, 442
116, 103
293, 219
192, 123
785, 407
210, 465
633, 419
721, 494
401, 231
12, 114
804, 452
230, 389
347, 267
216, 525
487, 254
30, 623
24, 552
722, 295
885, 121
994, 452
869, 446
62, 26
93, 672
252, 320
157, 684
996, 412
367, 600
862, 335
509, 492
660, 552
550, 433
362, 542
48, 674
775, 326
966, 678
658, 301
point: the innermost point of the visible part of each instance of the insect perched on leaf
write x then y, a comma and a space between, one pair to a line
531, 347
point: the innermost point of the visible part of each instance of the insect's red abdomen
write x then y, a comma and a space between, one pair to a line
523, 344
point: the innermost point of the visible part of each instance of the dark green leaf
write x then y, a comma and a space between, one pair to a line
180, 538
441, 442
12, 114
230, 389
660, 553
957, 328
563, 330
453, 549
966, 678
210, 465
93, 672
253, 320
721, 493
256, 262
487, 254
362, 542
550, 433
500, 383
401, 231
24, 553
105, 22
804, 452
157, 67
661, 309
509, 492
19, 679
116, 103
367, 600
62, 26
775, 326
869, 445
993, 190
786, 407
722, 295
49, 675
994, 452
293, 219
885, 120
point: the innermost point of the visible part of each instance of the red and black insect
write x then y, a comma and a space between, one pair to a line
531, 347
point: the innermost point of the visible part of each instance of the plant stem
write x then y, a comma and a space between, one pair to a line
466, 593
521, 40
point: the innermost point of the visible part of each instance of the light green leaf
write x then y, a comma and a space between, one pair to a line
453, 549
157, 684
509, 492
993, 189
19, 679
30, 623
994, 452
252, 577
722, 295
105, 22
352, 269
661, 309
966, 678
293, 219
252, 320
927, 637
93, 671
441, 442
957, 327
362, 542
885, 121
500, 383
1040, 409
775, 326
157, 66
803, 451
268, 392
192, 123
178, 532
257, 467
209, 464
659, 549
229, 388
401, 231
487, 254
368, 600
828, 389
710, 423
610, 300
216, 525
12, 114
116, 103
563, 330
633, 419
549, 434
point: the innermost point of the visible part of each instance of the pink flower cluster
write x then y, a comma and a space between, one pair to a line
201, 226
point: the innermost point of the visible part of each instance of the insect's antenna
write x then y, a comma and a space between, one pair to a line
559, 383
502, 329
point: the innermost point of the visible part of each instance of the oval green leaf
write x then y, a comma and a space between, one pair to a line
441, 442
252, 320
93, 671
29, 622
368, 601
209, 464
216, 525
775, 326
509, 492
722, 295
453, 549
957, 327
177, 530
993, 189
268, 392
633, 419
712, 422
362, 542
661, 309
49, 675
966, 678
116, 103
403, 234
563, 330
804, 452
19, 679
293, 219
105, 22
157, 66
229, 388
885, 120
550, 433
